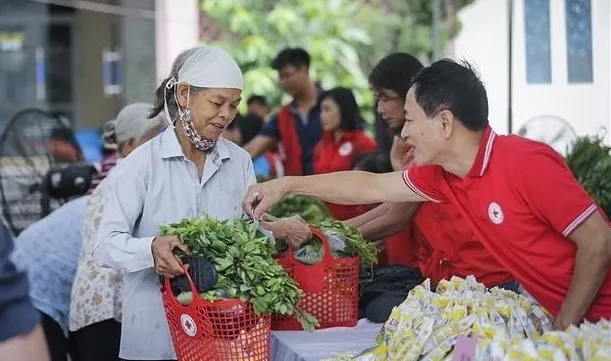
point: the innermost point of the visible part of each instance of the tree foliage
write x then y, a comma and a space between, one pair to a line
345, 38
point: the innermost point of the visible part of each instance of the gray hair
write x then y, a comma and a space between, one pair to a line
159, 101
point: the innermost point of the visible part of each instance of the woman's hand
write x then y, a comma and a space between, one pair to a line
293, 230
168, 264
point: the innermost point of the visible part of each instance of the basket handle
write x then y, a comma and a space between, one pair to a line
327, 258
194, 293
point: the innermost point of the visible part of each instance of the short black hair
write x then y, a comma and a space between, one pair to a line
350, 116
296, 57
375, 162
448, 85
249, 126
395, 72
257, 99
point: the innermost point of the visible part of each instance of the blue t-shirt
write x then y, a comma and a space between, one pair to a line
48, 250
17, 314
309, 132
262, 167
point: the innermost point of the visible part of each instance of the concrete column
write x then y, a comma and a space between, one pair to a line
138, 49
176, 29
94, 108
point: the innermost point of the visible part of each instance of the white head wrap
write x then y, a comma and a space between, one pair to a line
207, 67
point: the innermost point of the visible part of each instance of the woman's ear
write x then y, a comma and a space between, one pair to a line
182, 94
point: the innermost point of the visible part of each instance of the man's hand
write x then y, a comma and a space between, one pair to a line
262, 196
401, 154
293, 230
562, 322
168, 264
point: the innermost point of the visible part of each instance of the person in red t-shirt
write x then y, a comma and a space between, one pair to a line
517, 195
341, 142
431, 237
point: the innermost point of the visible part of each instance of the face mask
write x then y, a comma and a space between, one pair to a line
192, 134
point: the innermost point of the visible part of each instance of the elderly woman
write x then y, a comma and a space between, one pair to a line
186, 171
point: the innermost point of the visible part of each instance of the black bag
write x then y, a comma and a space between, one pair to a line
202, 272
385, 287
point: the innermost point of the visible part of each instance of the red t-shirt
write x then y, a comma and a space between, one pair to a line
447, 246
522, 201
401, 249
332, 155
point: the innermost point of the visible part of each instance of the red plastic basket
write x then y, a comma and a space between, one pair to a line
227, 330
330, 289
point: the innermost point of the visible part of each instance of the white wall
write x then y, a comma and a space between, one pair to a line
177, 29
483, 41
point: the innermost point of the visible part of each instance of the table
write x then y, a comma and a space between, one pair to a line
305, 346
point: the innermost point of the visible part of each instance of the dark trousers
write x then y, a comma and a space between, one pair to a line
59, 346
98, 342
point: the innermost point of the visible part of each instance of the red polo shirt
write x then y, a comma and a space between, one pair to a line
332, 155
523, 203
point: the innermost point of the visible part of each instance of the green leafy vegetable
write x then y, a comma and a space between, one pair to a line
243, 257
356, 244
344, 241
590, 162
312, 210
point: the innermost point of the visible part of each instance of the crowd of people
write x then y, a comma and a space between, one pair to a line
449, 198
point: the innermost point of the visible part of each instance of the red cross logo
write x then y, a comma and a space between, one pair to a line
495, 213
188, 325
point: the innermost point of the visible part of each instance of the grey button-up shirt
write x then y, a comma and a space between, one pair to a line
155, 185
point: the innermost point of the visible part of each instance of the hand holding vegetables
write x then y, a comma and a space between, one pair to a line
292, 230
168, 264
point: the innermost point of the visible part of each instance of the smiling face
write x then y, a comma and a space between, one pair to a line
212, 109
428, 137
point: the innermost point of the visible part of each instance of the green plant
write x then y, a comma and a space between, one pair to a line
590, 161
243, 258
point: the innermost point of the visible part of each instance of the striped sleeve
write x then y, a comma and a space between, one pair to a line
426, 181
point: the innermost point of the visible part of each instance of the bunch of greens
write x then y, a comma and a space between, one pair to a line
356, 244
344, 241
311, 209
590, 162
243, 258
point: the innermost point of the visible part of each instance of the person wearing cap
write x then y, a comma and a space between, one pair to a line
49, 249
187, 171
95, 302
110, 153
518, 196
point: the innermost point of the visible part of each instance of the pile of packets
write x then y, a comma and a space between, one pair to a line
508, 327
588, 342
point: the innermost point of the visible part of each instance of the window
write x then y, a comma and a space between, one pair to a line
538, 49
579, 41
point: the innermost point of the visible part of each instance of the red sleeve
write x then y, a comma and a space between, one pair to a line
552, 192
426, 181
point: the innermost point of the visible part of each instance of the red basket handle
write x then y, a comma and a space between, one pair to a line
327, 258
312, 278
228, 303
168, 288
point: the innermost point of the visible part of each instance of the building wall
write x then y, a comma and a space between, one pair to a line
177, 29
484, 41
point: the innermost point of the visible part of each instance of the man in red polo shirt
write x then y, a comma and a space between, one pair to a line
517, 195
